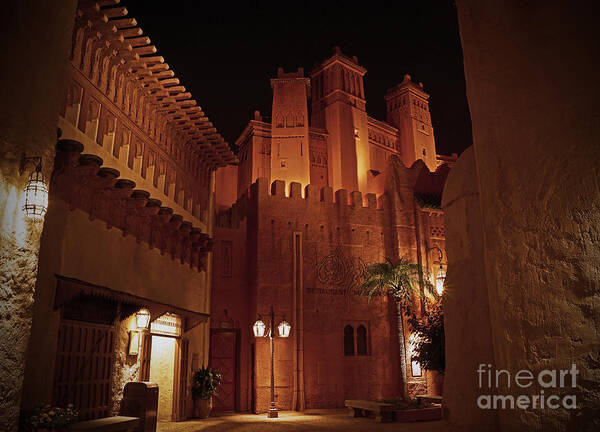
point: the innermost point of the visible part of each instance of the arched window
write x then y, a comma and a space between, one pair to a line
289, 120
361, 340
348, 340
279, 120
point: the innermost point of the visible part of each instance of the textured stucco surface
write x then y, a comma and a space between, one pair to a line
126, 367
35, 43
72, 245
466, 303
532, 91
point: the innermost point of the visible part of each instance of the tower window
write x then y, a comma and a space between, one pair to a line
348, 340
424, 152
361, 340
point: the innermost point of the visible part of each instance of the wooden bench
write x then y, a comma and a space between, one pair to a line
384, 412
429, 398
107, 424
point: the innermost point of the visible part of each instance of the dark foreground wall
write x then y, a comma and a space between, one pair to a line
533, 91
35, 41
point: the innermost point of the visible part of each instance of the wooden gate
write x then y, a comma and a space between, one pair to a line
180, 402
224, 358
83, 372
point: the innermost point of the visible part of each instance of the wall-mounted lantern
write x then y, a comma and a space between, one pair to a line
142, 318
441, 274
439, 280
36, 190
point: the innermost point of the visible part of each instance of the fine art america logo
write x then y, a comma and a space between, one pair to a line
547, 379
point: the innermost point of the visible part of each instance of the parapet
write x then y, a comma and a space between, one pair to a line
261, 190
282, 74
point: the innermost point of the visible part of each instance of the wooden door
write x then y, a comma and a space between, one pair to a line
181, 379
83, 370
224, 358
145, 356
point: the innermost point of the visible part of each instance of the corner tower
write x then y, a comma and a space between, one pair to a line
338, 105
290, 160
407, 109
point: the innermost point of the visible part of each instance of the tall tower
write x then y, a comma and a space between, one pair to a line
338, 105
290, 159
407, 109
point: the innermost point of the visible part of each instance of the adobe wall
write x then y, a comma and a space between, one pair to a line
76, 247
337, 238
532, 92
254, 267
36, 42
467, 322
231, 296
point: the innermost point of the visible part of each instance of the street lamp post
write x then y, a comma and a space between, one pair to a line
284, 331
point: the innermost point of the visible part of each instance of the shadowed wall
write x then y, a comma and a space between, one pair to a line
35, 44
532, 92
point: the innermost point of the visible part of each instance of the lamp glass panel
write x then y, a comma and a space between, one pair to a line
439, 282
284, 328
36, 196
259, 328
142, 318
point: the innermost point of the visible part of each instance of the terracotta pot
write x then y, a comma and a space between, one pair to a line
202, 408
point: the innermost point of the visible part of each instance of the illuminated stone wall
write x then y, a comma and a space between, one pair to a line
75, 247
533, 95
273, 235
36, 40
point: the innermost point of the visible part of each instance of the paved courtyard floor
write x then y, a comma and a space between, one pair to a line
314, 420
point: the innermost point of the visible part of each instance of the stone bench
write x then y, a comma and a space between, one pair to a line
429, 398
384, 412
107, 424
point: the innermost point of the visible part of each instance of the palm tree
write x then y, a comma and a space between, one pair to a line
403, 281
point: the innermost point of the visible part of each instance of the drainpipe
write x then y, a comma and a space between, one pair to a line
210, 220
298, 401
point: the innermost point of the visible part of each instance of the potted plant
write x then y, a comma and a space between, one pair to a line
205, 382
48, 418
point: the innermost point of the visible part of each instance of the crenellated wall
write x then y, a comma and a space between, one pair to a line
302, 251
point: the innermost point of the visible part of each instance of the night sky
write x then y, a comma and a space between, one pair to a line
225, 52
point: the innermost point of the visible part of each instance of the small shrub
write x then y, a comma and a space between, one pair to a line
205, 383
430, 342
49, 417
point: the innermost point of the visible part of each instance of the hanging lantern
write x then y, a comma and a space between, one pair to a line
143, 319
259, 328
284, 328
36, 195
439, 282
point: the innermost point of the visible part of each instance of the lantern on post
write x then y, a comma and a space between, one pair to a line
284, 328
259, 327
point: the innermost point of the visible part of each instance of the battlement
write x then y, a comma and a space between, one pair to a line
260, 192
282, 74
